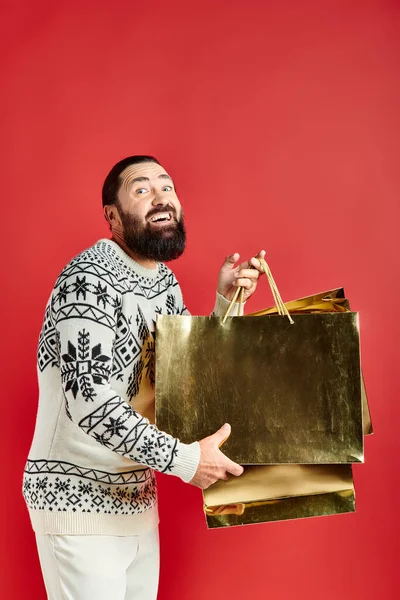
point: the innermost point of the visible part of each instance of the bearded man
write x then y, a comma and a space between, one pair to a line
89, 481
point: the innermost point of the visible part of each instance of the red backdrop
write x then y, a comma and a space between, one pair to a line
280, 124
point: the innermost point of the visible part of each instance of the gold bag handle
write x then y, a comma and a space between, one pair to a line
281, 308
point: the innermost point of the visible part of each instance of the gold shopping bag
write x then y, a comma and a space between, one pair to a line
291, 389
330, 301
280, 492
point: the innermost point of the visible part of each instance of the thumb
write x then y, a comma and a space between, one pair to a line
233, 468
222, 434
231, 260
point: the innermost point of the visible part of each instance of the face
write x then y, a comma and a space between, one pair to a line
151, 220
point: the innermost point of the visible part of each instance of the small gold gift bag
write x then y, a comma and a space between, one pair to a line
280, 492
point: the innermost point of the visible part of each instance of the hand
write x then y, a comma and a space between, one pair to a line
214, 464
245, 275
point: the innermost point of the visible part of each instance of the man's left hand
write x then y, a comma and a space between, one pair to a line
244, 275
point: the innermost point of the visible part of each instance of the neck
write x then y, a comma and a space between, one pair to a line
148, 263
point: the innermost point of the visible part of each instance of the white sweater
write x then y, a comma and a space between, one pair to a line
88, 467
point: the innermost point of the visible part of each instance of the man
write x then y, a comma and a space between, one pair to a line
89, 481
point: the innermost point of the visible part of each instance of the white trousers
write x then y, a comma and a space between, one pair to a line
96, 567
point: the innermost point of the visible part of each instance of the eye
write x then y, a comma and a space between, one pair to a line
141, 191
167, 188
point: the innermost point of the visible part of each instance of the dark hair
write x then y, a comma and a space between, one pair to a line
112, 182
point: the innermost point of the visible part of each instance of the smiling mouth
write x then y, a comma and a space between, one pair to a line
162, 217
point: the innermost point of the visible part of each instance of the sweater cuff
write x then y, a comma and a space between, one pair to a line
187, 461
221, 306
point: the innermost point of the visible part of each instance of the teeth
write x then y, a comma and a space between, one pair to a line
160, 216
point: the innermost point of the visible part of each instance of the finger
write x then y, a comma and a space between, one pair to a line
250, 273
254, 262
244, 283
233, 468
222, 434
231, 260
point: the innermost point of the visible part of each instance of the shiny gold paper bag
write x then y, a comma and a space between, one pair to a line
331, 301
278, 493
291, 392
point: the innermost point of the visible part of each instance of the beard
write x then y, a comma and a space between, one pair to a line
161, 245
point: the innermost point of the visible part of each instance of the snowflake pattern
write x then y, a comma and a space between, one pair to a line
84, 366
62, 486
92, 289
73, 494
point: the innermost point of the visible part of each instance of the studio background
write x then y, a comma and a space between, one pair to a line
280, 123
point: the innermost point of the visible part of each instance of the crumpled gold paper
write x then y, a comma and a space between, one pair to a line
280, 492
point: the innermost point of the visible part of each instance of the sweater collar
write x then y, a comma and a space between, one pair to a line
130, 262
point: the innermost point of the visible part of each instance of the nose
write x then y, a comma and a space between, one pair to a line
160, 199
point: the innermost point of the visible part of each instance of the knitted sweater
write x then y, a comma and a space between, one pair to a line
95, 448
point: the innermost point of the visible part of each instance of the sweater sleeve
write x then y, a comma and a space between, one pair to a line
222, 305
85, 314
219, 310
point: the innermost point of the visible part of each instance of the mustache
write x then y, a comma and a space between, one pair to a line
157, 210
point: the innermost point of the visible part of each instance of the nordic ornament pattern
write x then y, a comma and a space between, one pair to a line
86, 310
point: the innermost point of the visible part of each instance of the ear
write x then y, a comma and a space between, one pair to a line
112, 215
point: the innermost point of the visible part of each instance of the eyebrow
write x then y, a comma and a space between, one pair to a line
162, 176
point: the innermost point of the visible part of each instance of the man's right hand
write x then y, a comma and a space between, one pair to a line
214, 464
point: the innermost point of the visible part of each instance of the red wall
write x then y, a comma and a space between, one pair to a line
280, 124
